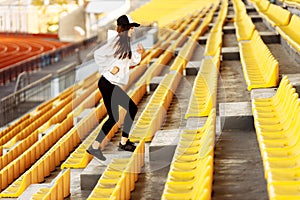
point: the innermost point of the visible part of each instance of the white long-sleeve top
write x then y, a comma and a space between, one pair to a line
104, 58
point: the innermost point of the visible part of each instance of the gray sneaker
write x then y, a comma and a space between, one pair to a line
129, 146
96, 153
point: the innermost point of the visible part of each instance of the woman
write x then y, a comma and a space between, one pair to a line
114, 59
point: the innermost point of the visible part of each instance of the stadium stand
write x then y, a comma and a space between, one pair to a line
55, 135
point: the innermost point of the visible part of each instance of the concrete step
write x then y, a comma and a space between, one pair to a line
256, 18
202, 39
236, 115
270, 37
229, 29
162, 147
230, 53
192, 68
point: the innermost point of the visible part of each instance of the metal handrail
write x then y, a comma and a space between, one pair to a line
9, 105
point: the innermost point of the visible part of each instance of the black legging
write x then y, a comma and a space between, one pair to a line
113, 96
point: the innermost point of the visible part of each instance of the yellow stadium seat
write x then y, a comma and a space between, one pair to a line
291, 32
276, 15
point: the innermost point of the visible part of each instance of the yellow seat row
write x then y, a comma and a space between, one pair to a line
33, 156
166, 53
243, 24
239, 7
153, 114
29, 125
169, 41
59, 189
260, 68
119, 177
191, 171
214, 40
30, 119
204, 25
13, 153
213, 43
198, 16
27, 119
218, 26
203, 95
11, 138
20, 124
184, 54
277, 127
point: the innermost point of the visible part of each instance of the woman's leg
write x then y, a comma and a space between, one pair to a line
107, 90
127, 103
121, 98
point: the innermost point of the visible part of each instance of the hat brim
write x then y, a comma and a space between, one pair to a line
134, 24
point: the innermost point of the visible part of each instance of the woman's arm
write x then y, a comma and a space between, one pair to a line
137, 55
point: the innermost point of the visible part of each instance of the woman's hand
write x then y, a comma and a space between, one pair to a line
140, 48
115, 70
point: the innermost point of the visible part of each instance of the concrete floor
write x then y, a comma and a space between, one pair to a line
238, 172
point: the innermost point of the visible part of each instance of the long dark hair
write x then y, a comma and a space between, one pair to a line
122, 44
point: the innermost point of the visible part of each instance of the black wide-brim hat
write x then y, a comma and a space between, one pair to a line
126, 21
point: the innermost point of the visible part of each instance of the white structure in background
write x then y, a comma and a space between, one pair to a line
21, 17
72, 26
109, 11
14, 16
73, 22
89, 21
